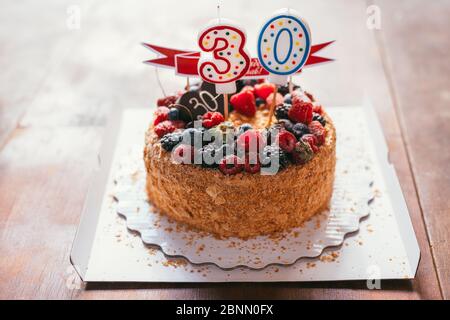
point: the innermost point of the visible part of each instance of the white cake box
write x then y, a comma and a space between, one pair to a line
384, 247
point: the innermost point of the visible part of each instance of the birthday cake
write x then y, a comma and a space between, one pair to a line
254, 174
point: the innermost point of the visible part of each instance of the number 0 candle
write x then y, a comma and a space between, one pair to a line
284, 44
224, 58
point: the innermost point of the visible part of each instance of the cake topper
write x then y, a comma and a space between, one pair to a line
284, 43
198, 100
224, 58
284, 48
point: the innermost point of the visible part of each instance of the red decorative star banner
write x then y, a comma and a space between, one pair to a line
185, 62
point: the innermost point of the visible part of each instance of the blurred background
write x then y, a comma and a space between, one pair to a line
66, 65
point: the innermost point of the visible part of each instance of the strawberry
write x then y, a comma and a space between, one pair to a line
263, 90
161, 114
166, 101
311, 140
244, 103
211, 119
278, 99
316, 128
301, 111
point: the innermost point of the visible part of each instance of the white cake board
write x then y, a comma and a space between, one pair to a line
385, 247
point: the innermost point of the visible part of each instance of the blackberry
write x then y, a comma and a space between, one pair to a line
284, 90
281, 112
274, 159
318, 117
170, 140
300, 129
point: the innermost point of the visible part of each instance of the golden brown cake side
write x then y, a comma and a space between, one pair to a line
243, 205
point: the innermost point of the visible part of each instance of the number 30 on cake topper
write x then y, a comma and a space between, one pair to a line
228, 60
284, 44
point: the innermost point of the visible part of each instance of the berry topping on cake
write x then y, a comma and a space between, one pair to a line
318, 117
318, 109
244, 103
301, 111
286, 124
260, 102
281, 112
161, 114
312, 141
169, 141
173, 114
286, 141
274, 158
300, 129
278, 99
230, 165
167, 101
211, 119
316, 128
302, 152
163, 128
288, 98
263, 90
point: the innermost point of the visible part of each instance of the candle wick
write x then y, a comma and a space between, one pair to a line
218, 12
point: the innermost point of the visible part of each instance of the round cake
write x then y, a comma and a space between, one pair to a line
237, 195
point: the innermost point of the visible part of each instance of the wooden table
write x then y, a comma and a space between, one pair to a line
58, 84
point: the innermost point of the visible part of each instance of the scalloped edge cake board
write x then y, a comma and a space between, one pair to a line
385, 247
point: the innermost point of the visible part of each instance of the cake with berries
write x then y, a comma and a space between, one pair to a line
246, 176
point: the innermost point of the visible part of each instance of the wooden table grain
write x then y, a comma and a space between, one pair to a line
62, 76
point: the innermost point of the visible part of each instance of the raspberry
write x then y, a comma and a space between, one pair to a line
312, 141
183, 154
263, 90
252, 164
301, 112
230, 165
286, 141
164, 128
250, 141
161, 114
316, 128
211, 119
281, 112
317, 108
166, 101
169, 141
244, 103
278, 99
302, 152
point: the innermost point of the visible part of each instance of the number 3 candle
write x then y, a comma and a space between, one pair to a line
224, 58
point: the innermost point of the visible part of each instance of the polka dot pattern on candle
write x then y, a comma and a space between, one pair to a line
284, 44
229, 60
